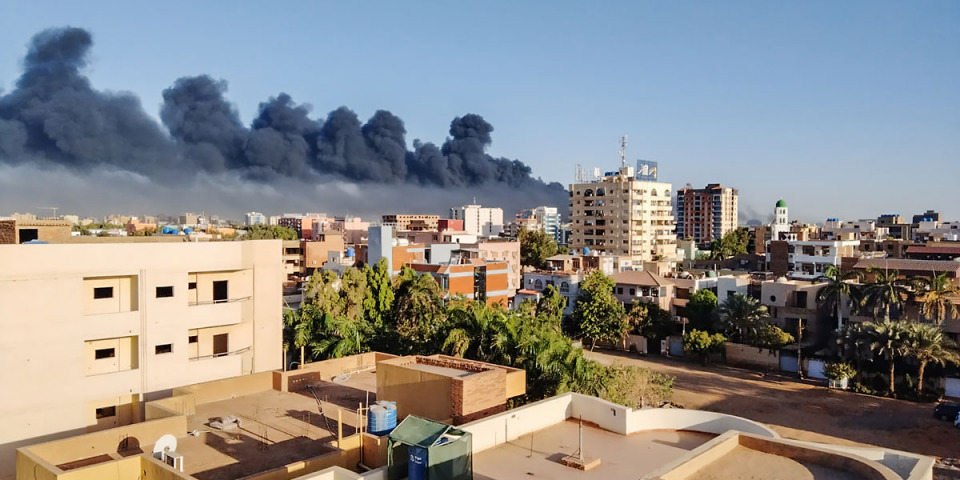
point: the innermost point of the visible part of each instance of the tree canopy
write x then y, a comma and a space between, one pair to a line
269, 232
598, 315
731, 244
536, 247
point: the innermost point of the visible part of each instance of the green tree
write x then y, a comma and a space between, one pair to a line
418, 312
927, 345
743, 316
481, 332
887, 291
378, 301
772, 337
339, 336
733, 243
535, 247
889, 340
598, 314
702, 310
839, 285
935, 298
269, 232
651, 321
322, 291
353, 291
703, 344
550, 307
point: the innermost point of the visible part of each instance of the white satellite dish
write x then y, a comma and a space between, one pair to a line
166, 443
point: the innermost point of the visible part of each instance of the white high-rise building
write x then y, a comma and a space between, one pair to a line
483, 221
547, 219
781, 222
255, 218
622, 215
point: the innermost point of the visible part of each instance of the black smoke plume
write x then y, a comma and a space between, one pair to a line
55, 117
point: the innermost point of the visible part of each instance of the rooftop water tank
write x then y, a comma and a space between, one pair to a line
187, 230
586, 251
351, 252
382, 418
169, 230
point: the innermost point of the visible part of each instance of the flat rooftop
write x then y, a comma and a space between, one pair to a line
746, 463
622, 457
276, 428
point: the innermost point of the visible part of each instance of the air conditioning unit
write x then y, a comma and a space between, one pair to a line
173, 459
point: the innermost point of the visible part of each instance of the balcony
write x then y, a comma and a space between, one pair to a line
218, 312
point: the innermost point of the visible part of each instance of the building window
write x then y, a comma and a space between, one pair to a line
619, 290
220, 291
165, 348
537, 284
164, 292
773, 298
633, 291
564, 287
102, 292
192, 286
106, 412
193, 339
102, 353
220, 344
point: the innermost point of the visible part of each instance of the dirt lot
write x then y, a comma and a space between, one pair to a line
804, 411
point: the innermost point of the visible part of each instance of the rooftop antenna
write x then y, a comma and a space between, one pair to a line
623, 151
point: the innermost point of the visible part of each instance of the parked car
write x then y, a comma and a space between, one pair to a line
947, 411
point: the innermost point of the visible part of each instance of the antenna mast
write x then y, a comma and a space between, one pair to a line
623, 151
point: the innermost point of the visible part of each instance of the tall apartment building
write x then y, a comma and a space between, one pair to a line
91, 331
411, 223
622, 215
705, 214
547, 219
484, 221
255, 218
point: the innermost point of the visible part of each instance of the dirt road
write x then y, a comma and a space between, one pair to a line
803, 411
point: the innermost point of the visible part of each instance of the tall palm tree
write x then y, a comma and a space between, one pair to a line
839, 285
856, 339
890, 340
927, 344
480, 332
339, 336
935, 298
743, 315
885, 292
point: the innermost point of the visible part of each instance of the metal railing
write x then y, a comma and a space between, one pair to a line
211, 302
217, 355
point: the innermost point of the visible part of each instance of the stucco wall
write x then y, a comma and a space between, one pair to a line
739, 354
416, 392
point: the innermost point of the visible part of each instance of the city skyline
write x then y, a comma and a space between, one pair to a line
819, 105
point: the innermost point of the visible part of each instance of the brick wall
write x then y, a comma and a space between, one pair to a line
478, 392
8, 232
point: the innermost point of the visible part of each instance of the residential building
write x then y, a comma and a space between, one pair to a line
445, 224
316, 252
91, 331
411, 223
398, 251
781, 221
547, 220
936, 231
910, 268
933, 251
13, 231
255, 218
928, 216
868, 229
135, 225
644, 287
567, 283
354, 229
185, 219
478, 220
504, 250
512, 229
474, 278
621, 215
807, 260
706, 214
896, 226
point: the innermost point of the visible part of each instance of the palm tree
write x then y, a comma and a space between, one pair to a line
838, 285
935, 297
480, 332
743, 315
885, 292
927, 345
890, 340
339, 336
856, 338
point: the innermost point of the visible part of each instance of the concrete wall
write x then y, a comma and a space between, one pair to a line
309, 373
416, 392
43, 314
739, 354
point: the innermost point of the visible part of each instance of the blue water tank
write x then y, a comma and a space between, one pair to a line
586, 251
351, 252
187, 230
417, 463
382, 418
169, 230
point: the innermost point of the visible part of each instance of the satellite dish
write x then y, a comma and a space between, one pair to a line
165, 443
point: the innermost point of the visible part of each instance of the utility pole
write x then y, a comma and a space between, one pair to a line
623, 151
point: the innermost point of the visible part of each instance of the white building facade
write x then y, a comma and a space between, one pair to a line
478, 220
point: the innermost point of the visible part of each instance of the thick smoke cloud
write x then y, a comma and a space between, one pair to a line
55, 117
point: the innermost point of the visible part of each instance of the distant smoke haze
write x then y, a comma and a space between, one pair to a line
65, 142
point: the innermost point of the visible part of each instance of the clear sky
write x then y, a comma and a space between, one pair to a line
843, 108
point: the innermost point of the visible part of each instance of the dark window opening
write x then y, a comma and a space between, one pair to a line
103, 292
104, 353
164, 292
220, 344
165, 348
220, 291
192, 286
801, 299
480, 283
106, 412
28, 234
193, 339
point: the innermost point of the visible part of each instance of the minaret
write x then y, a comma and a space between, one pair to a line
781, 223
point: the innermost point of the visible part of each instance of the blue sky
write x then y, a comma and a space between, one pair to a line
845, 109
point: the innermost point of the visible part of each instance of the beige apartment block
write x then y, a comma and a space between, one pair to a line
92, 331
620, 215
